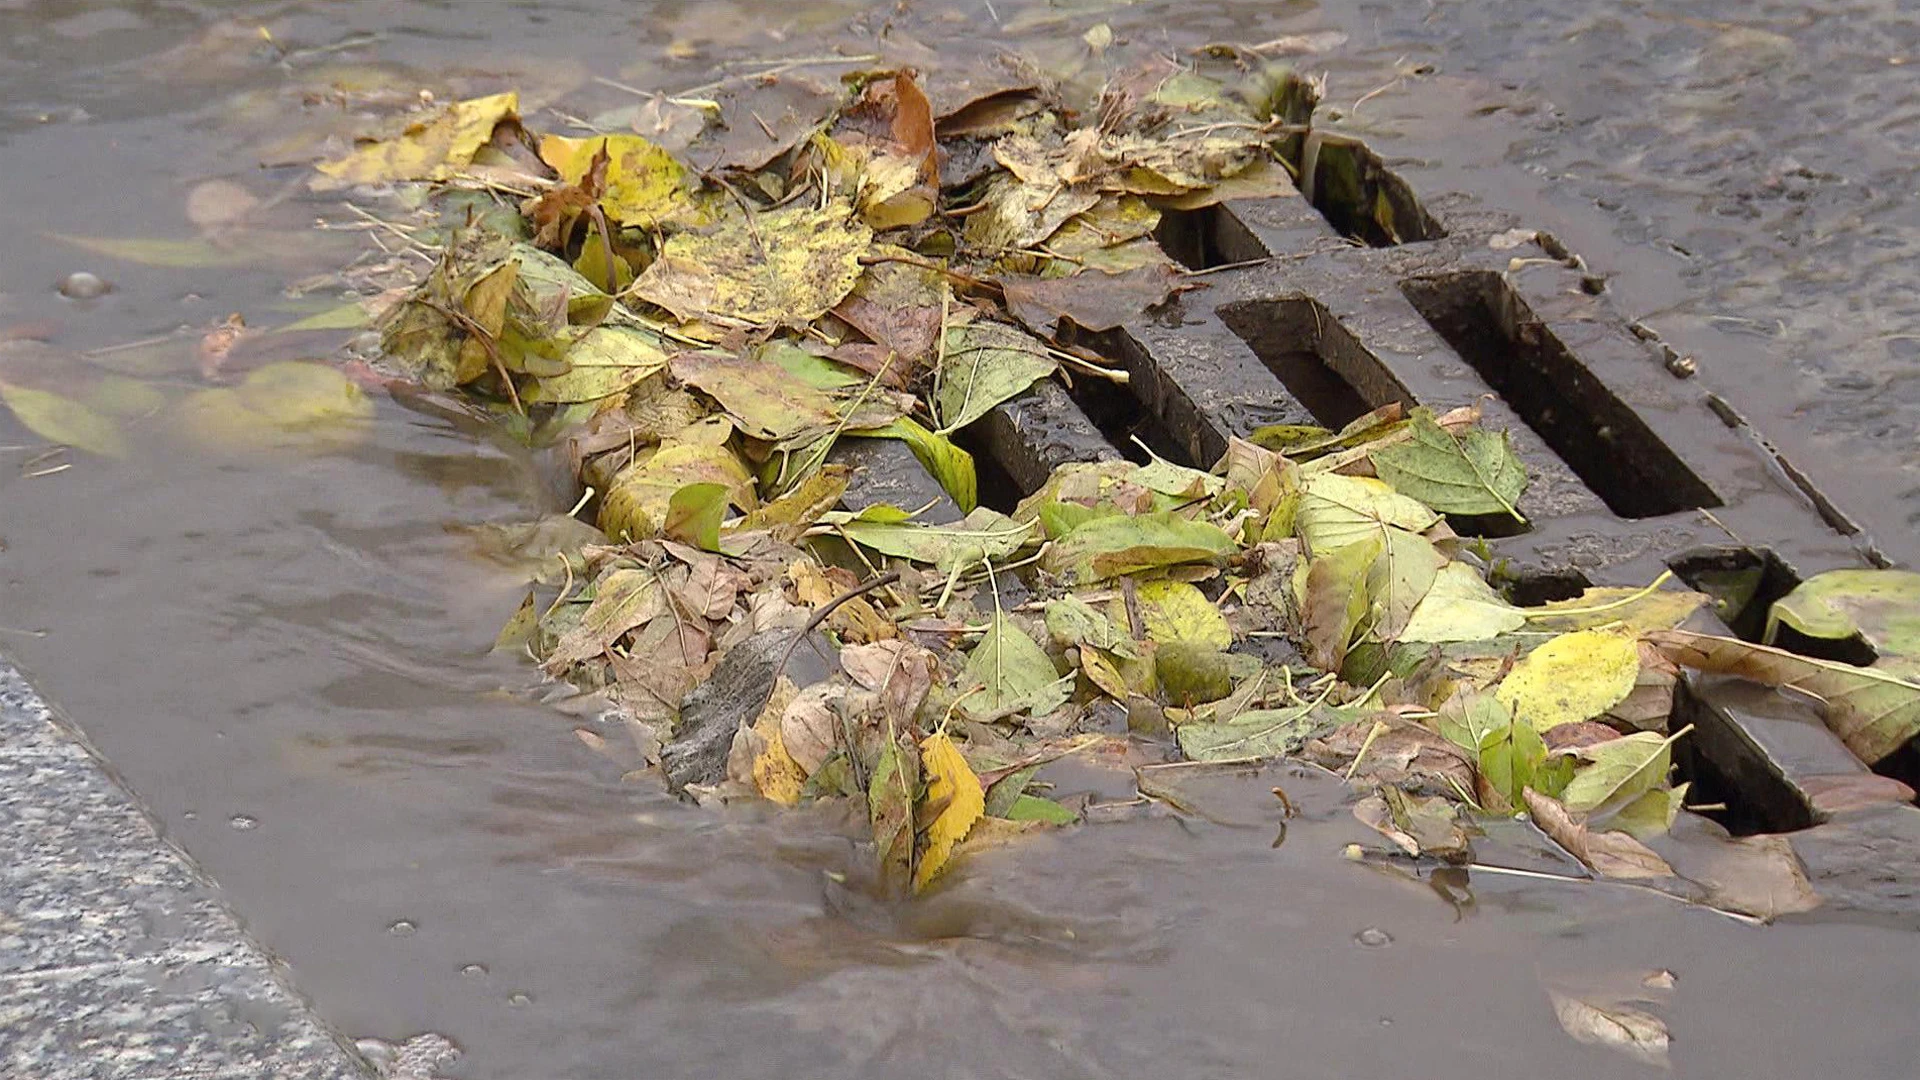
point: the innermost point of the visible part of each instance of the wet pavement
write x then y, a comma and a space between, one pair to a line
286, 655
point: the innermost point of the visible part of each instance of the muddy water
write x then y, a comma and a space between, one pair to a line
286, 654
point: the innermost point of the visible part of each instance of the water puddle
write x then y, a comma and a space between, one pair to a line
287, 653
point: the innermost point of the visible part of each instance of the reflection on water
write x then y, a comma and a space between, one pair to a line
287, 654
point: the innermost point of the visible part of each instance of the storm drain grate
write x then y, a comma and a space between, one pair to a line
1317, 312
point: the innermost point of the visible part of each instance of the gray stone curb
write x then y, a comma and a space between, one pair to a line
118, 958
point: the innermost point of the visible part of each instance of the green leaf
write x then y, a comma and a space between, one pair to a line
1652, 814
1473, 721
1572, 677
694, 514
983, 534
1012, 674
1257, 733
1400, 577
351, 315
1875, 710
1045, 811
1461, 606
985, 364
1073, 621
1004, 792
1110, 547
1510, 763
1619, 771
1339, 510
64, 420
945, 462
1335, 600
1474, 474
1880, 606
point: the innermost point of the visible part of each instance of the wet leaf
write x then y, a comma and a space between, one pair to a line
1400, 577
63, 420
890, 800
432, 145
1638, 1034
694, 514
637, 501
1474, 473
198, 253
1073, 621
1609, 854
1875, 710
1636, 609
1880, 606
603, 362
1339, 510
776, 774
1618, 772
784, 267
1012, 674
1461, 606
788, 517
287, 403
983, 534
623, 601
1004, 792
952, 785
1091, 301
1652, 814
520, 627
1572, 677
1045, 811
1110, 547
1335, 602
645, 185
985, 364
809, 727
1419, 824
763, 399
944, 461
1256, 733
1178, 613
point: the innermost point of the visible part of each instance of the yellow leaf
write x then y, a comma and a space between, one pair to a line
646, 185
1178, 613
1571, 678
775, 773
951, 781
639, 496
432, 145
782, 267
64, 420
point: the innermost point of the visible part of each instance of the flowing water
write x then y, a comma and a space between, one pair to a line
287, 654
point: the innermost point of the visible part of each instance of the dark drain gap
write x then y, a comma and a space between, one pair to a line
1594, 432
1151, 407
1535, 588
1318, 360
1206, 238
1360, 196
1127, 423
1743, 582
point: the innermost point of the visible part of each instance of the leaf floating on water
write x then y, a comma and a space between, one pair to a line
890, 801
1638, 1034
433, 145
1255, 733
1875, 710
290, 403
1475, 473
952, 786
63, 420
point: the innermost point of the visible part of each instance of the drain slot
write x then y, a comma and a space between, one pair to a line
1318, 360
1743, 582
1602, 440
1358, 195
1207, 238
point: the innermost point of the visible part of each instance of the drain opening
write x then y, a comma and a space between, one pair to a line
1601, 439
1743, 583
1151, 407
1207, 238
1318, 360
1358, 195
1538, 587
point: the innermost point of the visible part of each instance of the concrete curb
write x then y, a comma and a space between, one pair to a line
118, 957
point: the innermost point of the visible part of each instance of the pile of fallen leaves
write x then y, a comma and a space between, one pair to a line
702, 329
